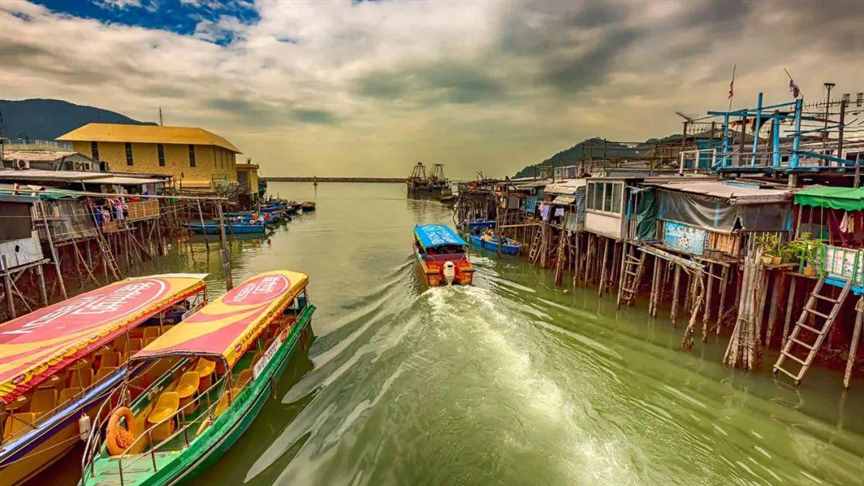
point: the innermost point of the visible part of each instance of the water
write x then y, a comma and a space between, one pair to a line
511, 381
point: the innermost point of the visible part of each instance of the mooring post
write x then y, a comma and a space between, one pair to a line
201, 220
226, 261
853, 347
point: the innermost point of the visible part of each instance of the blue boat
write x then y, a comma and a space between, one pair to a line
509, 247
479, 225
212, 228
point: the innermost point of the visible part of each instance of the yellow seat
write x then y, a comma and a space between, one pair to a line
120, 344
67, 394
43, 401
18, 423
205, 368
134, 346
81, 378
243, 378
52, 381
152, 332
103, 372
162, 413
188, 384
109, 358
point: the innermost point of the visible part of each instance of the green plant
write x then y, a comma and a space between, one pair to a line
805, 250
769, 243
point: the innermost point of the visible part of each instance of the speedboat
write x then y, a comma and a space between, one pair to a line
442, 255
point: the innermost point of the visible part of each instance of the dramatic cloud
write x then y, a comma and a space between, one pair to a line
369, 87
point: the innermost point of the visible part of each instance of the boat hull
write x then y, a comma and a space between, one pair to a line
217, 439
233, 229
506, 249
433, 276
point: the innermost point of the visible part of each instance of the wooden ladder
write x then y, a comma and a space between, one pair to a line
107, 254
633, 268
810, 337
535, 245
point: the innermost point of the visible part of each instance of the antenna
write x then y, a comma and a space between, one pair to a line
161, 123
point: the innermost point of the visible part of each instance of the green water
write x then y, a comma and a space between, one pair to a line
511, 381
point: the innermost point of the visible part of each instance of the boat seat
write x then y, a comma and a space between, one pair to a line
134, 346
103, 372
136, 333
18, 423
43, 401
68, 394
165, 408
52, 381
82, 378
152, 332
120, 343
109, 358
243, 378
205, 368
187, 389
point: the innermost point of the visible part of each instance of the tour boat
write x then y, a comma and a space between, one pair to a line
442, 255
220, 367
59, 363
491, 243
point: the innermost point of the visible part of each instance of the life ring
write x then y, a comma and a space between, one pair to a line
119, 437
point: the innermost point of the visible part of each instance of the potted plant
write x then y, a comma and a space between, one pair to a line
769, 243
807, 251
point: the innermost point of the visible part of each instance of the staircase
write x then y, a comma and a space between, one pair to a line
633, 268
806, 338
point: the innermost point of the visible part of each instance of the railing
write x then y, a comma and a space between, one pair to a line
843, 263
141, 210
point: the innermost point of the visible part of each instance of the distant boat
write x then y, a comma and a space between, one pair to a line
509, 247
212, 228
307, 206
442, 255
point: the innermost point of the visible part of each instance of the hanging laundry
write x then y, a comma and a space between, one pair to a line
559, 211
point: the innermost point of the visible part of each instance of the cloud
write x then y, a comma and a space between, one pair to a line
486, 84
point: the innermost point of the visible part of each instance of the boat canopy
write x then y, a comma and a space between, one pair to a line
37, 345
437, 235
226, 327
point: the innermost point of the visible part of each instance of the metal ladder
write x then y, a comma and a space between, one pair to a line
801, 339
633, 269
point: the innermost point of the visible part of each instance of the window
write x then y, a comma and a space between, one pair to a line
191, 156
161, 151
605, 196
129, 160
94, 150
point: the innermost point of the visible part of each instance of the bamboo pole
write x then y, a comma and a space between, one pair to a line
602, 287
708, 294
724, 282
226, 260
790, 303
853, 347
53, 250
675, 291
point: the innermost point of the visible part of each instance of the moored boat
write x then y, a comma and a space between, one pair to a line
233, 228
307, 206
58, 363
221, 365
492, 242
442, 255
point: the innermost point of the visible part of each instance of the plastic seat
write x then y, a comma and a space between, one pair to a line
109, 359
205, 368
43, 401
243, 378
152, 332
68, 394
82, 378
187, 389
103, 372
162, 413
18, 423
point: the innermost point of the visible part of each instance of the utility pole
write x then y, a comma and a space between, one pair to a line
828, 86
161, 122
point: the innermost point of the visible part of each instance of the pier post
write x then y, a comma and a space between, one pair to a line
226, 260
853, 347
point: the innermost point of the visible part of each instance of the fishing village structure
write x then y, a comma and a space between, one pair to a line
748, 225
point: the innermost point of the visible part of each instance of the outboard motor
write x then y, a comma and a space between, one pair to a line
449, 272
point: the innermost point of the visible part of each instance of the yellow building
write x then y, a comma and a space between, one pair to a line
247, 178
194, 157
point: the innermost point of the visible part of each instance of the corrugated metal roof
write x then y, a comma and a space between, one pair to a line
568, 186
116, 132
37, 155
124, 181
743, 193
47, 175
564, 200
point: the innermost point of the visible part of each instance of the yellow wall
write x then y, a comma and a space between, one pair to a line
251, 175
212, 163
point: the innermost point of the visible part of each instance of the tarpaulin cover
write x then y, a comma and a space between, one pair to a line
530, 204
720, 215
37, 345
845, 198
646, 215
227, 326
437, 235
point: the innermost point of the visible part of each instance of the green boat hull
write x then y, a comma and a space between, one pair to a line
216, 440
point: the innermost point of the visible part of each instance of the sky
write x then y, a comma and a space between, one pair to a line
362, 87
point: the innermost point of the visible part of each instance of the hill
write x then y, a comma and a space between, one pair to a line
47, 119
592, 148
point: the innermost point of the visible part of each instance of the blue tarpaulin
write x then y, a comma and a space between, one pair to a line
436, 235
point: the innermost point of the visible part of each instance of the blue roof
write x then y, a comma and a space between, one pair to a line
435, 235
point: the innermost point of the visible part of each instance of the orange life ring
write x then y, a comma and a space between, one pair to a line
121, 438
